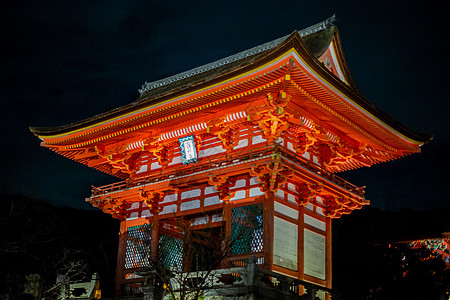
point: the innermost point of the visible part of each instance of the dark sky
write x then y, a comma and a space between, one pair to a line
63, 61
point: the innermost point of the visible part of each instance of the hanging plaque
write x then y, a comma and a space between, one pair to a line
188, 150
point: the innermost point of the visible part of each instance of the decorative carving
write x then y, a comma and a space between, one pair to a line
274, 122
271, 175
127, 162
352, 203
222, 183
131, 162
346, 151
98, 202
161, 152
152, 199
335, 206
303, 141
330, 148
114, 206
224, 132
272, 126
320, 133
307, 191
280, 102
119, 211
226, 135
327, 153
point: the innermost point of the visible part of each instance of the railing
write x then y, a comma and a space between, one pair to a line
132, 277
223, 161
242, 260
237, 281
318, 170
161, 175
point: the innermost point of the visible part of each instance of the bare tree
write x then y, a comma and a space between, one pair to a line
200, 250
70, 268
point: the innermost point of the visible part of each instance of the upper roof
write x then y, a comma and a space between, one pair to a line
316, 37
312, 42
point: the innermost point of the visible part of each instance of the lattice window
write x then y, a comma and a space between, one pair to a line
247, 229
138, 246
171, 252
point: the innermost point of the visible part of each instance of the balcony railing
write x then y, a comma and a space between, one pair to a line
232, 282
226, 161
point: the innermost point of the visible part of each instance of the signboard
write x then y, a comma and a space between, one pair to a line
314, 254
188, 150
285, 244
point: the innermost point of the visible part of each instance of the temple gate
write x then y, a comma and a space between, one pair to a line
248, 147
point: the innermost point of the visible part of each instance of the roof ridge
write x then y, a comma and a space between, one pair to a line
147, 86
229, 59
325, 24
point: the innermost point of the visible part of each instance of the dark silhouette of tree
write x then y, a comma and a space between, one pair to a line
38, 238
369, 263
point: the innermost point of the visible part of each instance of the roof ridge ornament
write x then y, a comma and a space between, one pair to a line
318, 27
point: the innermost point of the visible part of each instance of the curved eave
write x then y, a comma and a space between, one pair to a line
151, 99
342, 61
352, 93
154, 97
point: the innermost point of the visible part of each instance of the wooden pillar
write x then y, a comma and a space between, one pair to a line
227, 218
301, 243
226, 214
154, 242
121, 258
268, 220
328, 254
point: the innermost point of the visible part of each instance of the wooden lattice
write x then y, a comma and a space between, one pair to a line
247, 229
138, 246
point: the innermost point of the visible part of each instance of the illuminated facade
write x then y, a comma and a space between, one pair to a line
438, 245
252, 141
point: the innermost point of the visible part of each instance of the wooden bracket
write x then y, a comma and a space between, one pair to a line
152, 199
222, 183
271, 175
307, 191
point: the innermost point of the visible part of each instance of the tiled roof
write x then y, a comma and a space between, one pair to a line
147, 86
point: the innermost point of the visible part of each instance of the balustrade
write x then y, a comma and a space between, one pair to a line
225, 161
236, 282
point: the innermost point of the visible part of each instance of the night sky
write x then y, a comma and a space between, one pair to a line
63, 61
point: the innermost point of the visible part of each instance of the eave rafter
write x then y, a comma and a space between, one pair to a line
113, 153
281, 88
335, 153
174, 110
